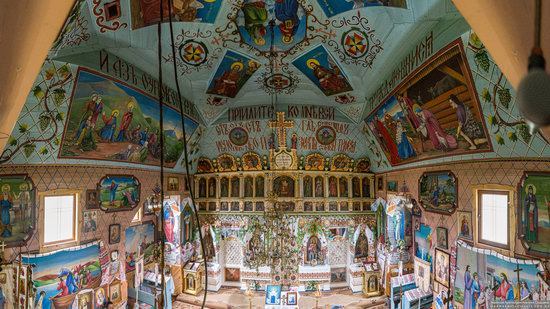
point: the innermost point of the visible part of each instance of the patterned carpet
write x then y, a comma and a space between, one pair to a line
232, 298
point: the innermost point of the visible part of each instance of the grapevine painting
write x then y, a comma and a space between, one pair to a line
434, 113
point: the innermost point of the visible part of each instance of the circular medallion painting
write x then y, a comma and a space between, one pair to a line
325, 135
355, 43
238, 136
278, 81
193, 53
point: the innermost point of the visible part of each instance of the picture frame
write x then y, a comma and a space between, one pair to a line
442, 238
441, 268
173, 183
89, 221
114, 255
391, 186
115, 293
86, 299
21, 194
532, 190
465, 226
118, 193
380, 183
273, 295
92, 201
114, 233
292, 298
438, 192
100, 296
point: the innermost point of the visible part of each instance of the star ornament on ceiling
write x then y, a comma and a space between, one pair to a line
355, 43
193, 53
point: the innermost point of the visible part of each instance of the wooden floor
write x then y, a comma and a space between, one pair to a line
234, 298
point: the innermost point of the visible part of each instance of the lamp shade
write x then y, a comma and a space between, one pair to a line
533, 98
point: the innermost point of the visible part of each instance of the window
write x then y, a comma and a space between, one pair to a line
494, 220
60, 217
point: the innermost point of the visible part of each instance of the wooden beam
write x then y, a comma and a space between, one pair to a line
27, 31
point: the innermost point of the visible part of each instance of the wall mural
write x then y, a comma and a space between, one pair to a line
438, 192
17, 209
484, 277
232, 73
108, 120
321, 68
146, 12
60, 277
335, 7
139, 238
534, 213
434, 113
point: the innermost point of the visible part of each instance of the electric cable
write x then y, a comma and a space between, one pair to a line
185, 152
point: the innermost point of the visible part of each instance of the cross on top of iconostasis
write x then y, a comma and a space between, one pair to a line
281, 125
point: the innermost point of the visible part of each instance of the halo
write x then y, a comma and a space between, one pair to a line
287, 39
131, 103
239, 65
312, 61
115, 111
6, 187
527, 189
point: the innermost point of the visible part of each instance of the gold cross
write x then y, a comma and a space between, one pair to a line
2, 247
281, 125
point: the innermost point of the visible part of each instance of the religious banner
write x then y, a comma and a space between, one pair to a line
62, 277
139, 239
485, 278
434, 113
109, 120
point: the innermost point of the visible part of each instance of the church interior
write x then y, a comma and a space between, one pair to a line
274, 154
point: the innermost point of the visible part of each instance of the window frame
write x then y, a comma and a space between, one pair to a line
65, 243
480, 240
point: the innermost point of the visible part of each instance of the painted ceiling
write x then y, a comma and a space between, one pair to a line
325, 63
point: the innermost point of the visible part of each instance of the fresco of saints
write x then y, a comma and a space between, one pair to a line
255, 18
125, 123
86, 119
330, 79
98, 110
531, 215
504, 291
386, 139
107, 133
404, 148
286, 11
227, 83
319, 187
439, 138
6, 204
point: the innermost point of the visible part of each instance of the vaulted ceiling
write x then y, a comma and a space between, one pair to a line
212, 35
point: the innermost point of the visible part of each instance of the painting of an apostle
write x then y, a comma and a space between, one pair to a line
321, 68
231, 75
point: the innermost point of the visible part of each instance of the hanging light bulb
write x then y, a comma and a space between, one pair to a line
533, 95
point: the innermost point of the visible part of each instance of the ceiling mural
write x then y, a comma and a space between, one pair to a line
335, 7
377, 73
321, 68
147, 12
232, 73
